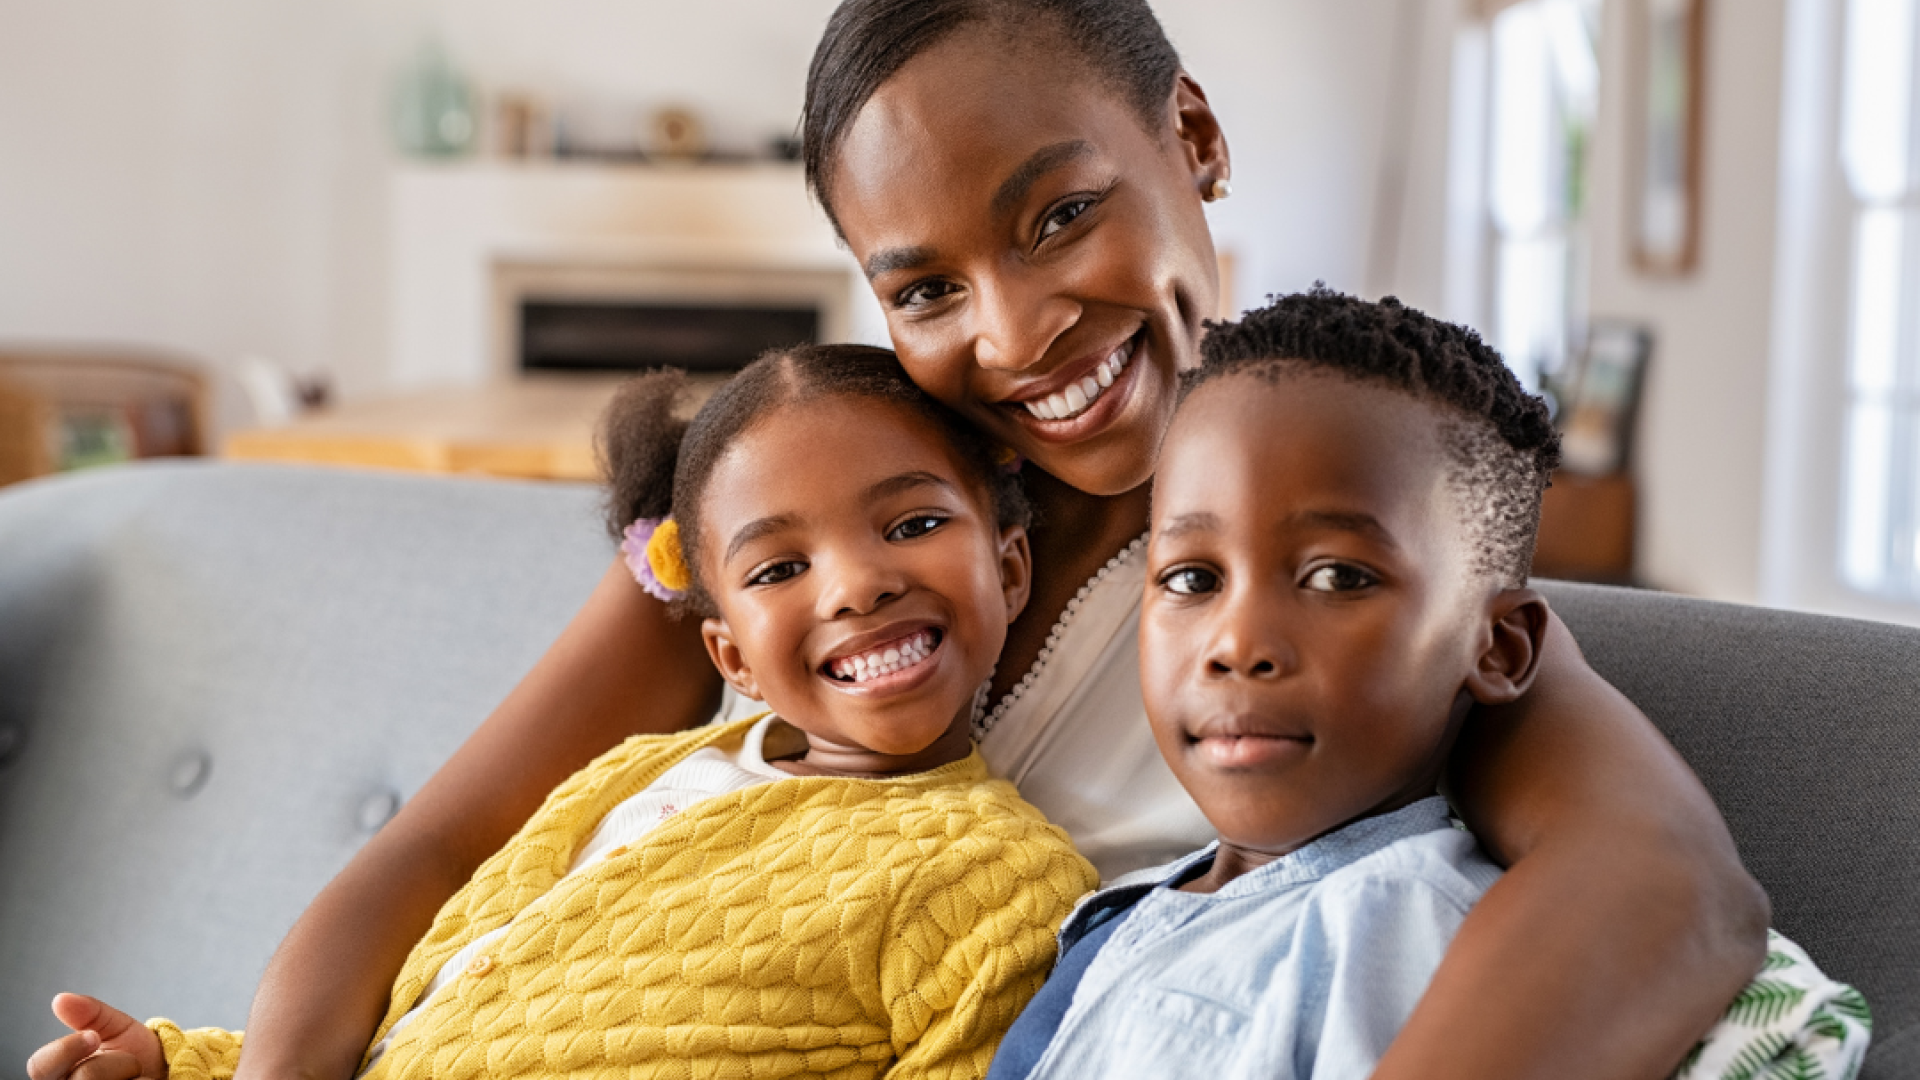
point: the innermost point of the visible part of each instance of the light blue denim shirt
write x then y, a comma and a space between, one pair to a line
1306, 967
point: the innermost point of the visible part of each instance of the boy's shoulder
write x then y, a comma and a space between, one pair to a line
1446, 860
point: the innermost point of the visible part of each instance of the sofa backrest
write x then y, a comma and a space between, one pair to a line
1807, 732
217, 680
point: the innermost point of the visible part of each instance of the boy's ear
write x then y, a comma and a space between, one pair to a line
1016, 570
728, 658
1505, 668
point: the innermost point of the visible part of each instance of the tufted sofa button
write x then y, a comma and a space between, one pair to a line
13, 739
189, 772
480, 965
376, 810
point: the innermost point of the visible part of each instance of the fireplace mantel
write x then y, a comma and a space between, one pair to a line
455, 226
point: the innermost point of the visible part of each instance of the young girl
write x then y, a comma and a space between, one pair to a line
836, 887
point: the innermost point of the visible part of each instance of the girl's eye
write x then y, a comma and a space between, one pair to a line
777, 572
916, 526
1339, 578
923, 293
1063, 215
1190, 580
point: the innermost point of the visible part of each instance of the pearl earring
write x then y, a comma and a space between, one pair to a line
1218, 190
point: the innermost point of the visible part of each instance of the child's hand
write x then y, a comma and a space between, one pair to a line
106, 1044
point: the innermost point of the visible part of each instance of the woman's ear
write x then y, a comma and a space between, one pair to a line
1196, 126
1016, 570
1505, 668
728, 658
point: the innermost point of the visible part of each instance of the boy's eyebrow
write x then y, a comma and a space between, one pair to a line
754, 530
906, 481
1352, 521
1181, 525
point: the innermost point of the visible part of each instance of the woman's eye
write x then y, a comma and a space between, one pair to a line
916, 526
775, 573
1338, 578
923, 293
1190, 581
1063, 215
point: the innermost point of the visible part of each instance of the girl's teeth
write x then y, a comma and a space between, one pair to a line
897, 657
1075, 399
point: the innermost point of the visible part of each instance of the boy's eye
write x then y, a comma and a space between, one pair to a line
776, 572
1190, 580
1339, 577
916, 526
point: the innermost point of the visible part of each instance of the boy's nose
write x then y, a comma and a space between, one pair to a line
1246, 644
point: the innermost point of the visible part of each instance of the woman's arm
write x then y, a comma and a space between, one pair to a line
1626, 922
620, 667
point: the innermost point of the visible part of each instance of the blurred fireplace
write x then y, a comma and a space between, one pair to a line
586, 317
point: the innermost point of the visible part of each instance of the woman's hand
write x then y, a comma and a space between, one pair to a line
1626, 922
621, 667
106, 1044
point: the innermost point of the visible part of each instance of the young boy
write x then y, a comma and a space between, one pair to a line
1343, 523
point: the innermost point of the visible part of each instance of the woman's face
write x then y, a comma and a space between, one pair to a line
1042, 258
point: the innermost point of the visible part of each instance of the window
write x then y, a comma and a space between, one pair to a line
1880, 543
1544, 93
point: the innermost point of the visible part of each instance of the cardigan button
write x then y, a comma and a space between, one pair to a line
480, 965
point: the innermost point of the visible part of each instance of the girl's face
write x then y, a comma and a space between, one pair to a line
1042, 258
863, 585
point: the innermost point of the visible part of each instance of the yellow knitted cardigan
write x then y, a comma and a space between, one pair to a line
815, 926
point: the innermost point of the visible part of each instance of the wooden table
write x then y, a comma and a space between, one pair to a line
533, 427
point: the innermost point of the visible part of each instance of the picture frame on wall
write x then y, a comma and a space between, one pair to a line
1600, 402
1669, 50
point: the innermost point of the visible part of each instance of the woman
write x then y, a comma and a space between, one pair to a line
1023, 184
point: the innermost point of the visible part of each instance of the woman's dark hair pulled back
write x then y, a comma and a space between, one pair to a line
657, 465
866, 41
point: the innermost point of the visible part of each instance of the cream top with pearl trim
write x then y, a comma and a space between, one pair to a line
1073, 735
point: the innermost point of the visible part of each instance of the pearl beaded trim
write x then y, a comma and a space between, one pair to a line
983, 721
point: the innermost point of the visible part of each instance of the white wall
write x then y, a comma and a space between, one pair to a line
211, 175
1702, 444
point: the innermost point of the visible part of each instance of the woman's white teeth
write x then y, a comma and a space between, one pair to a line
1076, 397
896, 656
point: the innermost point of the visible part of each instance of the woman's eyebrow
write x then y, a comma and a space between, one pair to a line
1042, 161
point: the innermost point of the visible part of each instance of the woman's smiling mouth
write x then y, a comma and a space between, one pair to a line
1079, 396
888, 658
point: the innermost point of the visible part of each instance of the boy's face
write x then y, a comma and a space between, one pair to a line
864, 587
1311, 618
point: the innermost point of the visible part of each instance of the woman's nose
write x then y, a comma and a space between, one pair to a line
1016, 320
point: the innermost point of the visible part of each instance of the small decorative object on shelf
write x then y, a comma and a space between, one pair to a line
433, 106
678, 135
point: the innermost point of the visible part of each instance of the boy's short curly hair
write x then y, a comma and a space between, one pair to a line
1501, 439
657, 465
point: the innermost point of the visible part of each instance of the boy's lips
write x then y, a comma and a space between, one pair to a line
1244, 742
1080, 398
890, 659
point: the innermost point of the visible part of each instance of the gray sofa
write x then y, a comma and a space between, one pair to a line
217, 680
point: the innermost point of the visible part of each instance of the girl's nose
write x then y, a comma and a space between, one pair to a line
856, 586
